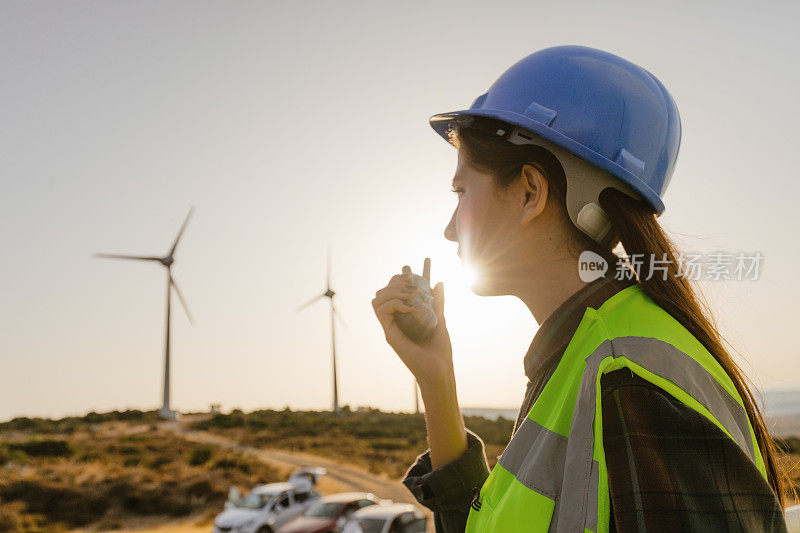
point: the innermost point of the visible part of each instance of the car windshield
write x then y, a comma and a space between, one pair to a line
325, 510
254, 500
371, 525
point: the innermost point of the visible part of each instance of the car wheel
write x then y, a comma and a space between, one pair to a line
264, 529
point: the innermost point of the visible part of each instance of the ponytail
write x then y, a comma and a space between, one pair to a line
636, 227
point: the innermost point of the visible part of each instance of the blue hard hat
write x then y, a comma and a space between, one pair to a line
598, 106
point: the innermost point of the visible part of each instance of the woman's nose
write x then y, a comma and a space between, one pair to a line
450, 231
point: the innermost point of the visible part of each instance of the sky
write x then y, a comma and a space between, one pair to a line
293, 126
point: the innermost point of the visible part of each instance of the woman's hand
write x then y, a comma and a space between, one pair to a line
432, 362
432, 365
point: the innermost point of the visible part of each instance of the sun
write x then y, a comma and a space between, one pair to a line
465, 276
448, 268
459, 278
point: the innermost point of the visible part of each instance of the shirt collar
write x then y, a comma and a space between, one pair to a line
556, 331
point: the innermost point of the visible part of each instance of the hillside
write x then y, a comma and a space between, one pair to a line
123, 470
128, 470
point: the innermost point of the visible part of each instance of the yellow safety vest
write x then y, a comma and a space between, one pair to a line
552, 475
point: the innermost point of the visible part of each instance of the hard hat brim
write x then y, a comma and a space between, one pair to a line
443, 122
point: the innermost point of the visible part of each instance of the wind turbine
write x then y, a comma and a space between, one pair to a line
168, 260
329, 293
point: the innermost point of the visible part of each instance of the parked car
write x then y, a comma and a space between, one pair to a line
267, 507
391, 518
325, 513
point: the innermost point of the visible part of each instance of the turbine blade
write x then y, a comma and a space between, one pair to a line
328, 273
121, 256
180, 233
180, 297
309, 302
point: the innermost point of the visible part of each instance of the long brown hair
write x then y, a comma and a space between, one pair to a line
635, 226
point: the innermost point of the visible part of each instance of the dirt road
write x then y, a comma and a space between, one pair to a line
339, 478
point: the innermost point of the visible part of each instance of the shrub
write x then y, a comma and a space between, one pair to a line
8, 455
232, 463
73, 505
88, 457
129, 450
388, 444
200, 455
158, 461
224, 463
43, 448
132, 460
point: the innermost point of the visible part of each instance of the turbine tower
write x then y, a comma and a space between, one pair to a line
168, 260
329, 293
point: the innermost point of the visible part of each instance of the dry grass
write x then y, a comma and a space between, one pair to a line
110, 478
119, 471
380, 442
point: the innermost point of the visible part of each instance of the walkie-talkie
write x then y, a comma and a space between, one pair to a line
419, 324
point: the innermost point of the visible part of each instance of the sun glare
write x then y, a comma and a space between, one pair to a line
466, 275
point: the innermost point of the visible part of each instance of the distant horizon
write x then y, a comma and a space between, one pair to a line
228, 410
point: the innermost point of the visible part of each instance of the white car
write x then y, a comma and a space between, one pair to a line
267, 507
387, 518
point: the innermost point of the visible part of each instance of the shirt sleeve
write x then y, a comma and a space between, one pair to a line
448, 490
672, 469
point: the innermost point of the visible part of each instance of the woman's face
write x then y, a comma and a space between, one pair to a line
486, 225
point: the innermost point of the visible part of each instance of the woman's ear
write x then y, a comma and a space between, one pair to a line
534, 186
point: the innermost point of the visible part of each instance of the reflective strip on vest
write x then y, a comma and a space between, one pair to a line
564, 469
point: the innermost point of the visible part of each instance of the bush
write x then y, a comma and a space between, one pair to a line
8, 455
75, 506
132, 460
158, 461
129, 450
43, 448
88, 457
201, 488
200, 455
231, 463
388, 444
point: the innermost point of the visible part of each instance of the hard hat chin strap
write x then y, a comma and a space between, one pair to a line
585, 182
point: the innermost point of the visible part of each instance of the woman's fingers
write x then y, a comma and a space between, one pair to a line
395, 304
398, 291
391, 299
394, 283
396, 279
438, 301
386, 311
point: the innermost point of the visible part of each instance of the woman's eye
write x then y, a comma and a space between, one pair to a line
457, 191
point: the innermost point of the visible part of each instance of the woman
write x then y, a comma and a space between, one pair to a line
635, 416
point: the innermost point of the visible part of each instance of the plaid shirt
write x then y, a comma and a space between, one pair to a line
669, 468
